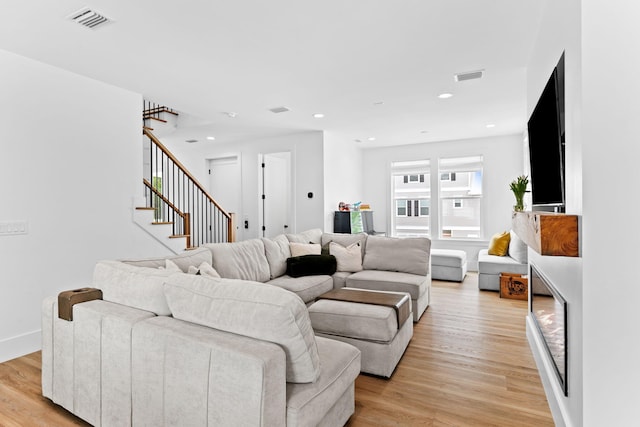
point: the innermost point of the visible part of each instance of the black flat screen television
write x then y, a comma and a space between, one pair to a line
546, 145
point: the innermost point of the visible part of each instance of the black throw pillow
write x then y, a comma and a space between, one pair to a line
311, 265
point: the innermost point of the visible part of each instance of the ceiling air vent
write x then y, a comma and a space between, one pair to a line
471, 75
89, 18
282, 109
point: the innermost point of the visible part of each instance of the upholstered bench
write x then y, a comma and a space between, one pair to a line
448, 264
381, 332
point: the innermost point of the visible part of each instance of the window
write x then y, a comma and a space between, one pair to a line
413, 178
411, 195
401, 207
424, 207
460, 197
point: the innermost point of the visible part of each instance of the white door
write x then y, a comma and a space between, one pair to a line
225, 186
276, 193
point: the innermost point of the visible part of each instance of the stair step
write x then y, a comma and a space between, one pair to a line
145, 208
147, 128
177, 236
191, 248
158, 110
155, 118
162, 223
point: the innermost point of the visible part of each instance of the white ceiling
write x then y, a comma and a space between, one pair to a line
337, 57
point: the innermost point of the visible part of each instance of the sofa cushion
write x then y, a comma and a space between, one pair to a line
308, 288
310, 236
308, 404
410, 255
413, 284
183, 260
518, 249
370, 322
499, 244
348, 258
138, 287
244, 260
277, 251
251, 309
492, 264
340, 279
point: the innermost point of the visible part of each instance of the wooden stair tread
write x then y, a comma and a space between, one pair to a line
147, 128
162, 223
158, 110
177, 236
155, 118
145, 208
191, 248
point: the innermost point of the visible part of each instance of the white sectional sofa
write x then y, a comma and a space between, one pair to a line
164, 347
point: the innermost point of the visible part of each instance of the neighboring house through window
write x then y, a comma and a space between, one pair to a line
411, 196
460, 195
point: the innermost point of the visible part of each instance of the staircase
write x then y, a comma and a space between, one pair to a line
176, 209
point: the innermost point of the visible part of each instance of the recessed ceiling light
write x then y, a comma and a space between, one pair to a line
211, 138
318, 115
371, 138
445, 95
191, 141
490, 125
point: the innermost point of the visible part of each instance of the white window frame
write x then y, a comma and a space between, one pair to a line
458, 200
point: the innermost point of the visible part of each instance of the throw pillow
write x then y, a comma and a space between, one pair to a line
171, 266
311, 265
517, 249
204, 269
499, 244
299, 249
348, 259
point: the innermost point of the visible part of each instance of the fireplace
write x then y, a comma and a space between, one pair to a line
549, 312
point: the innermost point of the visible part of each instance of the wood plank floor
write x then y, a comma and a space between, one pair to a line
468, 364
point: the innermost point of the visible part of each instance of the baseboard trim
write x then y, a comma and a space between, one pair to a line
20, 345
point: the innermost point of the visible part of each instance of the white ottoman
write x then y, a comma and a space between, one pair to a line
372, 328
448, 264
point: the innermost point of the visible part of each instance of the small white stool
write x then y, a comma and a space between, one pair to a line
448, 264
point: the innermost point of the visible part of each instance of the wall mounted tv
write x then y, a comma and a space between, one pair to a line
546, 145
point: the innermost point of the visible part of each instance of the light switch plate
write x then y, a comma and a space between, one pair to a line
8, 228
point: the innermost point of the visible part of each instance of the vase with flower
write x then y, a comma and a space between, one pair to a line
519, 188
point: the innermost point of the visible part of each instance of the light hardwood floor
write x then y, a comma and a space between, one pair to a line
468, 364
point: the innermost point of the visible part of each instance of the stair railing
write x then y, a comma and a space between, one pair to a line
178, 198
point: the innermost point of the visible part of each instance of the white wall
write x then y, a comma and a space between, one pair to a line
70, 165
502, 157
560, 31
610, 148
307, 164
343, 170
